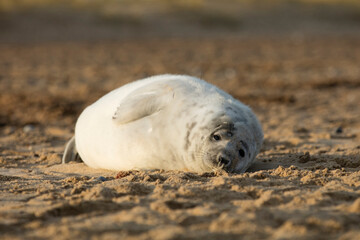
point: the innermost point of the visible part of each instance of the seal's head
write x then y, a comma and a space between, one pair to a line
231, 143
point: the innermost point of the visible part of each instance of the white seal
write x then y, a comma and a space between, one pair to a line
170, 122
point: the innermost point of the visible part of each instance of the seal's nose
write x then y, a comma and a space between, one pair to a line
224, 161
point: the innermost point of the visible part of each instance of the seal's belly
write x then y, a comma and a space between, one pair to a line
136, 145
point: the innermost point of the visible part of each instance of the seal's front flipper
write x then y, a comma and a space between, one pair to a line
144, 102
70, 153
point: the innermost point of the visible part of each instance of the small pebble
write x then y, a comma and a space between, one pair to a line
339, 130
101, 178
28, 128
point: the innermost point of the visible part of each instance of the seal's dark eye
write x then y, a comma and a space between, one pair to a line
216, 137
242, 153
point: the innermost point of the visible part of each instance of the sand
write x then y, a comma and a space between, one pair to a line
304, 185
298, 70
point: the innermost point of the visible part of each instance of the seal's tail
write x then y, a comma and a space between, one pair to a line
70, 153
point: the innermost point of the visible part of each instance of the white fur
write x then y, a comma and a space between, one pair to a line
142, 125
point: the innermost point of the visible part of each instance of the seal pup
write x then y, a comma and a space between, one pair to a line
171, 122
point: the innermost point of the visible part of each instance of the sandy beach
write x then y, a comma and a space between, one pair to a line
305, 90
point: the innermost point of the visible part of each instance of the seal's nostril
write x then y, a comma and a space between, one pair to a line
242, 153
224, 161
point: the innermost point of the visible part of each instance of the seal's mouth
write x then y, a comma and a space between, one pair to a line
224, 163
221, 164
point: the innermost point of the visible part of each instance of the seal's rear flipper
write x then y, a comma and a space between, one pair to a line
70, 153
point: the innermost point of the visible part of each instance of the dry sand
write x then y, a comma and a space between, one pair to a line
305, 184
305, 90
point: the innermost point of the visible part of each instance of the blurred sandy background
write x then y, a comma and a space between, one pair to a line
89, 20
296, 63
